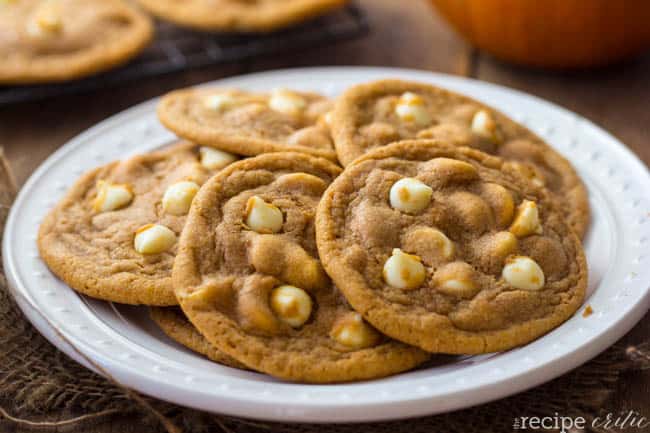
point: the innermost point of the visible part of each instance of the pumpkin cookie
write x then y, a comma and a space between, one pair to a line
58, 40
250, 123
113, 236
239, 15
247, 275
449, 248
175, 325
372, 115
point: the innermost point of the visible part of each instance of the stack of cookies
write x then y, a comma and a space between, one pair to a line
327, 241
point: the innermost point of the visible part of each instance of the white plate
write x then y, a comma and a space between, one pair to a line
126, 344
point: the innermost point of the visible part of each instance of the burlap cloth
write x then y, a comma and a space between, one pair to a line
42, 389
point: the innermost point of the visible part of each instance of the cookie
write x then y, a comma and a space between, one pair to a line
59, 40
113, 236
239, 15
372, 115
250, 123
449, 248
175, 325
247, 275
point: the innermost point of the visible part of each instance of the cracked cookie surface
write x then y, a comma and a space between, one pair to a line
449, 248
89, 239
58, 40
248, 276
250, 123
239, 15
374, 114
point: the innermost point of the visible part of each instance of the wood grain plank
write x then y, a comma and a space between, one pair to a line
403, 33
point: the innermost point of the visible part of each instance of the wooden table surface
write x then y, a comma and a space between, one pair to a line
405, 34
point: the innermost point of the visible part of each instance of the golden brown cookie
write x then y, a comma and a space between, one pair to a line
113, 236
58, 40
250, 123
239, 15
449, 248
175, 325
372, 115
247, 275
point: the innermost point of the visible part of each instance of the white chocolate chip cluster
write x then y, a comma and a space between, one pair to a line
177, 200
280, 100
427, 250
250, 122
289, 282
523, 272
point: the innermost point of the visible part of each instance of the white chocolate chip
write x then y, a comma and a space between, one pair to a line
153, 239
178, 197
111, 196
410, 195
328, 118
215, 159
291, 304
526, 220
219, 101
352, 331
484, 125
263, 217
523, 273
411, 108
287, 102
404, 271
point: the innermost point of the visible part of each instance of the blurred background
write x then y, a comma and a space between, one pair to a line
589, 56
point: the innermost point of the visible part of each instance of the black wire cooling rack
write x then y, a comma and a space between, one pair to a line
176, 49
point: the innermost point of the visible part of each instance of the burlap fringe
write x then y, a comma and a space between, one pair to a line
42, 389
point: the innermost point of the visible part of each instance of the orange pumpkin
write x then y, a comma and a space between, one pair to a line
552, 33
